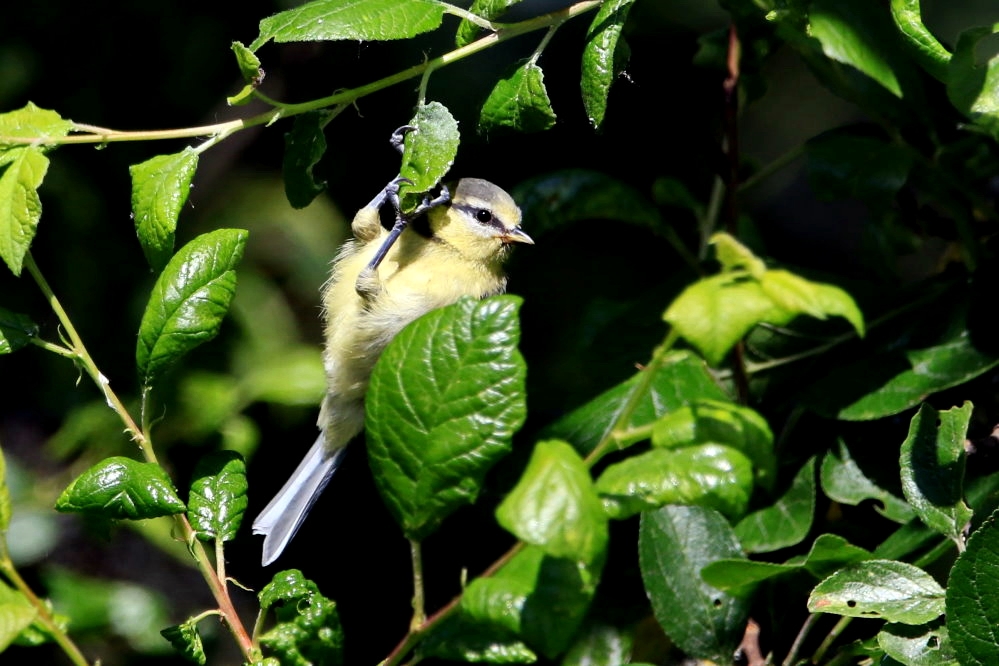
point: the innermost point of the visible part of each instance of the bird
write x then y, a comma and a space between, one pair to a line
379, 284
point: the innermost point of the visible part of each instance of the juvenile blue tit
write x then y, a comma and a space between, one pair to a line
458, 252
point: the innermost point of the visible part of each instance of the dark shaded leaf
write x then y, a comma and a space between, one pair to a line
304, 146
972, 604
786, 522
674, 544
16, 331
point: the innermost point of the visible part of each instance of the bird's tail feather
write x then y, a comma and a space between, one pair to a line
282, 517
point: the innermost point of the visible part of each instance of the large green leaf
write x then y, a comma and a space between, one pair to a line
189, 301
932, 461
364, 20
682, 379
218, 496
16, 330
519, 101
972, 604
605, 55
120, 488
160, 186
885, 589
20, 207
555, 506
674, 544
709, 475
444, 400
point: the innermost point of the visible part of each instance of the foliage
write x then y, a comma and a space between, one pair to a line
809, 437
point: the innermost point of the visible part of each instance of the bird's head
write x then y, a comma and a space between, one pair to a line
481, 222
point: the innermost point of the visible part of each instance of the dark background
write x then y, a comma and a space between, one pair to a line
593, 292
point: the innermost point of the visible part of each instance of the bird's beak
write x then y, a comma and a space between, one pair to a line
516, 235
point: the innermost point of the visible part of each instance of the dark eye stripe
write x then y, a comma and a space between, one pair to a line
483, 216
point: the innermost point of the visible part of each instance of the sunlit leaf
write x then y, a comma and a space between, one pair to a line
364, 20
218, 496
604, 57
519, 101
972, 605
189, 301
121, 488
884, 589
160, 186
20, 207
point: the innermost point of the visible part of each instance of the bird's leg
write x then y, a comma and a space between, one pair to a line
366, 224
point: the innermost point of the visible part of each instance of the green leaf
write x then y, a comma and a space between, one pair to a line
844, 482
971, 85
5, 506
461, 638
932, 461
555, 506
16, 331
308, 628
186, 639
304, 146
674, 544
605, 55
720, 422
218, 496
926, 50
922, 645
468, 32
519, 101
734, 256
363, 20
709, 475
683, 378
972, 605
30, 122
16, 615
829, 552
160, 186
714, 313
883, 589
444, 400
787, 521
853, 34
120, 488
429, 150
20, 207
903, 379
556, 594
843, 166
249, 64
189, 300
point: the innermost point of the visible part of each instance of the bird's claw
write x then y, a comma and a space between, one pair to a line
399, 137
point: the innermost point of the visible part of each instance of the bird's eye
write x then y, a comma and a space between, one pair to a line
483, 215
